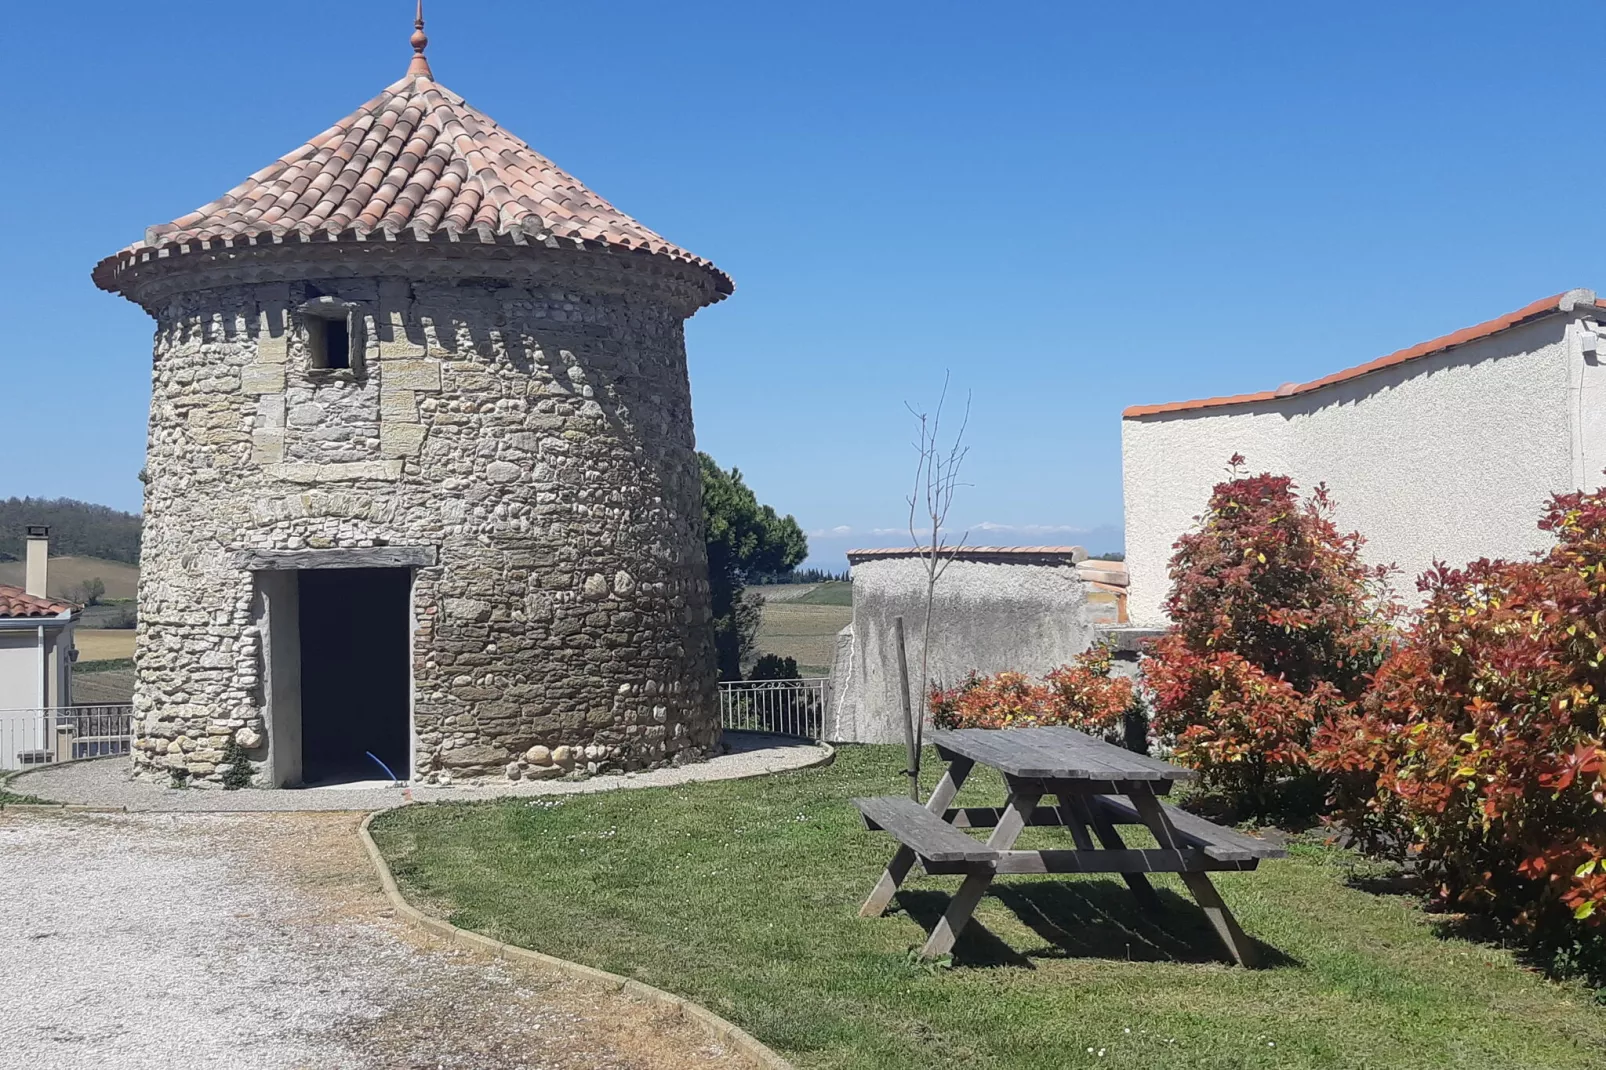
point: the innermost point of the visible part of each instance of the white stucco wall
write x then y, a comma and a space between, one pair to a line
19, 669
61, 666
1449, 456
988, 616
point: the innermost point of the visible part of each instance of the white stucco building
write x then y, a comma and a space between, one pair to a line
1447, 450
36, 655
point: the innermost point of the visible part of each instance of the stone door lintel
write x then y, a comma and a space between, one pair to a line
358, 557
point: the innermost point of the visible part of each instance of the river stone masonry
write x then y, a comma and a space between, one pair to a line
517, 409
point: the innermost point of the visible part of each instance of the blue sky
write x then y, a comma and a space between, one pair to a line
1070, 207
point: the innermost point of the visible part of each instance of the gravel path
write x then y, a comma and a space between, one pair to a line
106, 782
159, 940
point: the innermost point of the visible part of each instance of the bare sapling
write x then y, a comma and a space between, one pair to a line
936, 480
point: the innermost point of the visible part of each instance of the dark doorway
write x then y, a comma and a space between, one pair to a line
356, 673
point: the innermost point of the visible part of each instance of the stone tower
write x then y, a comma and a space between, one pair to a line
421, 488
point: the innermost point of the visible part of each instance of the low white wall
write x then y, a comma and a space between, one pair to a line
1449, 456
989, 616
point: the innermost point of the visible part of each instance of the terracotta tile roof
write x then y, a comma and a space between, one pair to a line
1064, 554
415, 162
1562, 302
15, 602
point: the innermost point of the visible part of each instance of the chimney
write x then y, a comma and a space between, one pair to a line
38, 551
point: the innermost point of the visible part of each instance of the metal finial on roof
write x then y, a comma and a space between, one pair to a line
419, 66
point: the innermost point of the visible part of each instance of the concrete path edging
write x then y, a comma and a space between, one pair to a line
756, 1052
97, 781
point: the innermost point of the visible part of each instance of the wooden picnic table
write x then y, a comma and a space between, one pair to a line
1097, 785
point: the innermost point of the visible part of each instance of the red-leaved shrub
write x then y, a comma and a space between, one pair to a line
1483, 733
1276, 625
1081, 695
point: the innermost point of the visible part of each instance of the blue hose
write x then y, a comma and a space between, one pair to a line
383, 766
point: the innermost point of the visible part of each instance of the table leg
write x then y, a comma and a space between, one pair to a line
1076, 818
1014, 818
1226, 926
885, 888
963, 904
957, 916
1198, 883
904, 859
1104, 828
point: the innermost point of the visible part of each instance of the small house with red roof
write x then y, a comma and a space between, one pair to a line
1445, 451
36, 653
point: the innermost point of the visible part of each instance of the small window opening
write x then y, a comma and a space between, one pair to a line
336, 343
335, 336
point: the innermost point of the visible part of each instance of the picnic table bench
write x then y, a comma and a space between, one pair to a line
1098, 787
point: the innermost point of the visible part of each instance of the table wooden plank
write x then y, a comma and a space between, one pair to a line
1217, 841
1090, 787
1134, 861
1071, 749
1054, 753
977, 745
1078, 747
986, 817
926, 833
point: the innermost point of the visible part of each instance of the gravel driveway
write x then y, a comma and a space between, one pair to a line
135, 941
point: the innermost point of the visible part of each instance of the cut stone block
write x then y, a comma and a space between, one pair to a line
400, 440
267, 445
410, 374
262, 379
273, 349
330, 473
398, 406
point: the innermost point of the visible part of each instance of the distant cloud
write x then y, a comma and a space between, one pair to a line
1030, 529
844, 530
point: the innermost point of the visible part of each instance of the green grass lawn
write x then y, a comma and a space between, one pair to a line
744, 895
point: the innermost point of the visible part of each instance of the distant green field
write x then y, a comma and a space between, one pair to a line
802, 631
829, 594
121, 579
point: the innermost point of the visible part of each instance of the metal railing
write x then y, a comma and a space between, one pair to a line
785, 707
32, 737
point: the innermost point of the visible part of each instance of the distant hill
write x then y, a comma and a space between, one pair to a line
77, 529
65, 573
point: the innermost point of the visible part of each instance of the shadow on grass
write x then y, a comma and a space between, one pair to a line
1560, 956
1388, 882
1086, 919
976, 946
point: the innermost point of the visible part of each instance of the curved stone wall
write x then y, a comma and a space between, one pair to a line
529, 419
